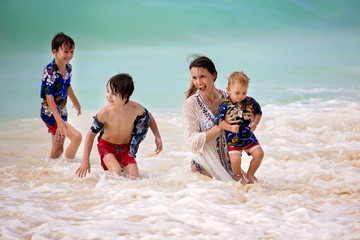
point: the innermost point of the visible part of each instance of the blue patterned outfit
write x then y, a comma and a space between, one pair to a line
245, 137
54, 84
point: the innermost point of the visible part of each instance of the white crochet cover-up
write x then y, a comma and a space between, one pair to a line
212, 156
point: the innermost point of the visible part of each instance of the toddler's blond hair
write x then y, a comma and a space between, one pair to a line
238, 76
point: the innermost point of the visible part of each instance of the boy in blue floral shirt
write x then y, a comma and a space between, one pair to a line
240, 137
55, 88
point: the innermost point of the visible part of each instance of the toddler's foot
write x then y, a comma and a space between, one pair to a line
251, 178
243, 182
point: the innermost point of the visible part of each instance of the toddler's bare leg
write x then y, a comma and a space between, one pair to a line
132, 170
75, 138
257, 155
112, 164
236, 167
57, 146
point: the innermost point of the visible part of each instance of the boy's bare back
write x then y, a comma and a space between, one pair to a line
119, 121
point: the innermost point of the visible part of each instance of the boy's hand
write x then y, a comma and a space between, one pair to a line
83, 169
235, 128
159, 146
77, 108
61, 128
252, 126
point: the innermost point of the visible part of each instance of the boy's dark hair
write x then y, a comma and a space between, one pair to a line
60, 39
122, 84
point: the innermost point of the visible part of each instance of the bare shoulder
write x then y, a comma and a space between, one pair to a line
104, 113
136, 107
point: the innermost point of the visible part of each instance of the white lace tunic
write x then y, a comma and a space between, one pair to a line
212, 156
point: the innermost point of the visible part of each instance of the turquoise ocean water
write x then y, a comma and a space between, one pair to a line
303, 59
291, 50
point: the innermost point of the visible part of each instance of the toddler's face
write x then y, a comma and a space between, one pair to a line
237, 92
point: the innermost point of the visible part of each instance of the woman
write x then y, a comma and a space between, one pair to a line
203, 138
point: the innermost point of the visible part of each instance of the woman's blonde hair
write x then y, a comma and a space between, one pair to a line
238, 76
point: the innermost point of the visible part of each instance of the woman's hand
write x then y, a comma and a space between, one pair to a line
231, 116
234, 128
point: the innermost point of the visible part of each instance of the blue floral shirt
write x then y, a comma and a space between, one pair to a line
247, 108
54, 84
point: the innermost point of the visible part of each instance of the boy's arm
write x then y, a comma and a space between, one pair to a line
61, 125
89, 140
255, 122
155, 130
74, 100
257, 115
85, 165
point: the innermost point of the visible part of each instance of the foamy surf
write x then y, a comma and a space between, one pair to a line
303, 61
308, 184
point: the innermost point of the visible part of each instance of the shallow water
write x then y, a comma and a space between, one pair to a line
303, 61
308, 184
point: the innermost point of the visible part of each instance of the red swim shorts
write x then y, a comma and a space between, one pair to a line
120, 152
248, 149
51, 129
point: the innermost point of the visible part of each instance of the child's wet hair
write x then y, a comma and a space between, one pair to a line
62, 39
122, 84
238, 76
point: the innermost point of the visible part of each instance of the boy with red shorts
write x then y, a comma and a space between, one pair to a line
55, 88
122, 124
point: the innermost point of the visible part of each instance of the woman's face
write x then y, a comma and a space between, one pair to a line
203, 80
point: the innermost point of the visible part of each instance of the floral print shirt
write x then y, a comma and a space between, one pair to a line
54, 84
247, 108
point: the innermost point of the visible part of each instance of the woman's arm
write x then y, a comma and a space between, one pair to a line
222, 115
212, 132
231, 128
195, 139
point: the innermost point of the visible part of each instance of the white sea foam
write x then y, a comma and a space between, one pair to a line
308, 184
